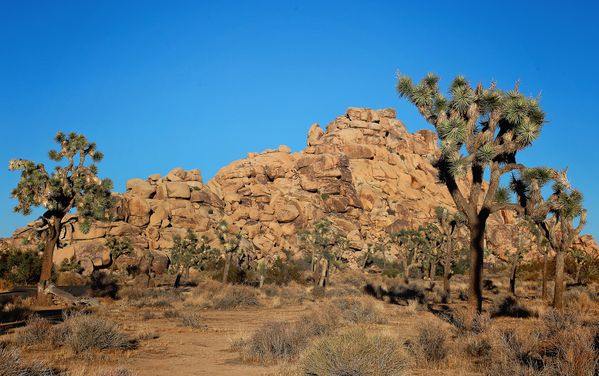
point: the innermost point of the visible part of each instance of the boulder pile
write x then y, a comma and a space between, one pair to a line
364, 172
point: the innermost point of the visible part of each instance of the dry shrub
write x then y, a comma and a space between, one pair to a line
578, 301
191, 320
430, 345
153, 303
234, 296
353, 278
291, 294
171, 314
12, 365
93, 371
134, 293
477, 346
37, 331
465, 322
359, 311
353, 353
508, 306
575, 353
276, 340
83, 333
556, 321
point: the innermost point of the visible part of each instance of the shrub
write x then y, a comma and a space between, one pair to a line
284, 341
353, 353
232, 297
191, 320
282, 272
70, 265
575, 353
359, 311
36, 332
20, 267
431, 344
465, 322
508, 306
556, 321
478, 347
83, 333
12, 365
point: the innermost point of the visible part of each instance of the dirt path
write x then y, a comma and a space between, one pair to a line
181, 351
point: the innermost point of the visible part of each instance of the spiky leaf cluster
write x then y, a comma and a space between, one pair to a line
73, 183
491, 124
191, 252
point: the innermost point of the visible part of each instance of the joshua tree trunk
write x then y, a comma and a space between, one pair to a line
544, 276
447, 268
513, 277
365, 261
324, 273
558, 294
227, 267
477, 251
261, 283
53, 233
578, 268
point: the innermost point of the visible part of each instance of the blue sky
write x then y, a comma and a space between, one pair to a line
161, 84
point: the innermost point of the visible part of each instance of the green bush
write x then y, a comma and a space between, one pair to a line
20, 267
282, 272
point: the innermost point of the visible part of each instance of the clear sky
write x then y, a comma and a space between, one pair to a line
161, 84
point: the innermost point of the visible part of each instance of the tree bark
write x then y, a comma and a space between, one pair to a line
578, 268
324, 273
227, 267
513, 276
558, 294
477, 252
447, 268
544, 276
47, 263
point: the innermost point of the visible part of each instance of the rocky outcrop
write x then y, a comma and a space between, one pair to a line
364, 172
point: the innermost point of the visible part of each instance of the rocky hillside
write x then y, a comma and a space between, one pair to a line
364, 172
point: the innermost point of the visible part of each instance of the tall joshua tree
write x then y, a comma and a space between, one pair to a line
480, 131
72, 184
560, 217
230, 245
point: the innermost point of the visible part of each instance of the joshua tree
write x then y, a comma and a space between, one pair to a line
480, 131
560, 217
229, 243
325, 246
449, 225
580, 258
72, 185
189, 252
118, 247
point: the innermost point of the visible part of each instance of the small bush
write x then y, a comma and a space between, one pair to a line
359, 311
283, 341
556, 321
36, 332
508, 306
282, 272
234, 296
353, 353
20, 267
12, 365
478, 347
431, 344
84, 333
191, 320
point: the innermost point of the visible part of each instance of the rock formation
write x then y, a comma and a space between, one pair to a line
364, 172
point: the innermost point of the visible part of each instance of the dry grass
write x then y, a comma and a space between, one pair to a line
84, 333
353, 353
430, 345
363, 310
233, 297
11, 364
37, 331
276, 341
191, 320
